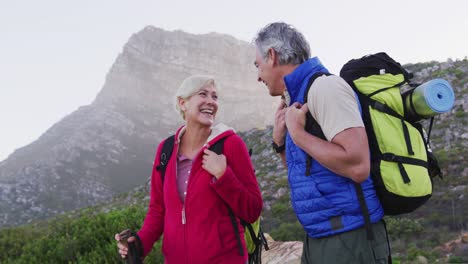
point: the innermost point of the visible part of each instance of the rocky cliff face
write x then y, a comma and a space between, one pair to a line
146, 75
108, 146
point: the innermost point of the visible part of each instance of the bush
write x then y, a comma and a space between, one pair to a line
288, 232
398, 227
86, 237
455, 259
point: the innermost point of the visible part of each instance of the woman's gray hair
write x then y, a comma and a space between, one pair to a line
288, 42
190, 86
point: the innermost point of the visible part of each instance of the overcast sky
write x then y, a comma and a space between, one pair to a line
55, 54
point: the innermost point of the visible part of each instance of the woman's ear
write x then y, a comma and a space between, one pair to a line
182, 104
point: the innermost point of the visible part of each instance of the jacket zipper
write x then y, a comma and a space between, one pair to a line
183, 203
184, 220
183, 215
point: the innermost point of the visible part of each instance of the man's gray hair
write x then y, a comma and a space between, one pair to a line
289, 44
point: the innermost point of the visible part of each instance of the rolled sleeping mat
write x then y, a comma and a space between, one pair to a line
429, 99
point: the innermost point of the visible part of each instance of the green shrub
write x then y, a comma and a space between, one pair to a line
86, 237
398, 227
288, 232
455, 259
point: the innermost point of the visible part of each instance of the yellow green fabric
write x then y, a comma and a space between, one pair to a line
420, 184
390, 97
390, 138
389, 133
248, 239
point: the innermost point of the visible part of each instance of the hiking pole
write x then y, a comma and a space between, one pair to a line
134, 253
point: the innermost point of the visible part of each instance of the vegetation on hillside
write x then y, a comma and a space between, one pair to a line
85, 236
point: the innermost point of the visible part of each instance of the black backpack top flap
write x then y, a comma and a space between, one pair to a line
374, 64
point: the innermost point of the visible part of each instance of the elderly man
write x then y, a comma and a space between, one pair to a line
328, 163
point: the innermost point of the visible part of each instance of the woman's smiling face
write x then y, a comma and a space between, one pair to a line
202, 106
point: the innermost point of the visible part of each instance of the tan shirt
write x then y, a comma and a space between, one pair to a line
333, 104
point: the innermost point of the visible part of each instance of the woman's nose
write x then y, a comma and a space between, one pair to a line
212, 100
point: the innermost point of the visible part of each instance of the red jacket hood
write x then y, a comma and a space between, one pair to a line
218, 132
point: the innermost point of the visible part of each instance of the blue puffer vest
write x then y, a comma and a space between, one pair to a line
324, 202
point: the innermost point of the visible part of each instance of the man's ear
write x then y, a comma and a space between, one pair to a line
272, 57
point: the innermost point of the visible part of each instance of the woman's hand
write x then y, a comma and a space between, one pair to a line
213, 163
122, 244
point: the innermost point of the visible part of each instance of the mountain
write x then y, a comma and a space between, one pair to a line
431, 234
108, 147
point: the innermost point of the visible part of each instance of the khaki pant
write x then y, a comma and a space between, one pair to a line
349, 247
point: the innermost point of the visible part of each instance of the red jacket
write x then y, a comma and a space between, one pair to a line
206, 235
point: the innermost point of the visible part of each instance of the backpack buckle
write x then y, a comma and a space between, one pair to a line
389, 157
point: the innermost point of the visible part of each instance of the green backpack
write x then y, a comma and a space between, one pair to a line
253, 234
402, 166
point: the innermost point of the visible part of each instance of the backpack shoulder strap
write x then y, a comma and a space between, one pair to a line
217, 148
165, 155
311, 126
168, 147
314, 128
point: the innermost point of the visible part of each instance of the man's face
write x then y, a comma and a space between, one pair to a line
267, 72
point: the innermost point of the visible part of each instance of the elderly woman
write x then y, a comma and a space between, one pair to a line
190, 207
